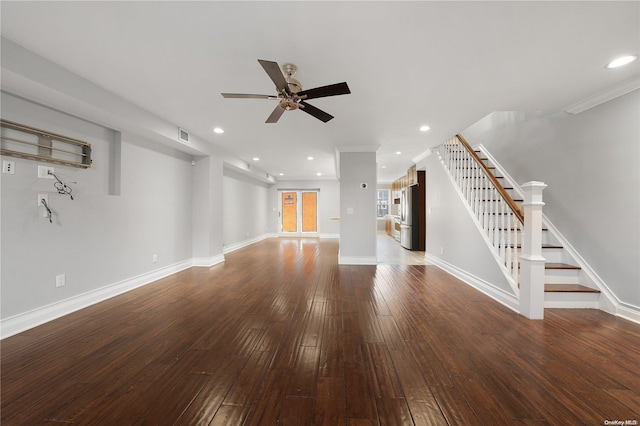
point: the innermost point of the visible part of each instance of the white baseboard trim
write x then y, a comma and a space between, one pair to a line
497, 294
207, 262
245, 243
357, 260
329, 236
628, 312
21, 322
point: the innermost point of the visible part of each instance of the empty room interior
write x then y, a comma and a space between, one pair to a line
320, 213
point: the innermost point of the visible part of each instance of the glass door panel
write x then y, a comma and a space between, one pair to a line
299, 213
289, 212
309, 212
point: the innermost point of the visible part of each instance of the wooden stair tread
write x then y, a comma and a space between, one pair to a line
504, 187
513, 229
551, 265
569, 288
546, 246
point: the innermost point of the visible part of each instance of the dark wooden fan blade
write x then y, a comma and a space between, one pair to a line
275, 73
247, 96
324, 91
316, 112
275, 115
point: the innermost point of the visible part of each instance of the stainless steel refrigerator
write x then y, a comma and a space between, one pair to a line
408, 217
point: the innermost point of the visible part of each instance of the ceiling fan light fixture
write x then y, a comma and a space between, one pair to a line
621, 61
290, 95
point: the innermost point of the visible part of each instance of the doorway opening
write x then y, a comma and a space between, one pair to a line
298, 213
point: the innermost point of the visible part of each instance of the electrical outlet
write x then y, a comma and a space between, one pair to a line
61, 280
43, 172
8, 167
154, 258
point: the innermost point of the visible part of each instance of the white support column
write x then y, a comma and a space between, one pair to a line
531, 260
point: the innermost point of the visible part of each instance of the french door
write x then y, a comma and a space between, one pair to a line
298, 213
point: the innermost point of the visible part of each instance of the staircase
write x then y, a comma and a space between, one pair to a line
496, 204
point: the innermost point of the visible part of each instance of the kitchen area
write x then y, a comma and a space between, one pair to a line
401, 208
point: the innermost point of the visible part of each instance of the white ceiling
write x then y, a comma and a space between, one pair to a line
444, 64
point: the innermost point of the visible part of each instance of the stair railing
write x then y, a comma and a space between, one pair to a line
495, 210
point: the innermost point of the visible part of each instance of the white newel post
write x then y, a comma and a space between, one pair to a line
531, 260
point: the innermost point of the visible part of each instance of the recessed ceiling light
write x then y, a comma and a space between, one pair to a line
318, 174
309, 158
621, 61
425, 128
281, 174
384, 167
398, 152
256, 159
218, 130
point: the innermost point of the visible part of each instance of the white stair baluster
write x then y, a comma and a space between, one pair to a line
492, 216
506, 220
516, 263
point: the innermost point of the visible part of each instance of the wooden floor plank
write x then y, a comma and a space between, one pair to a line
249, 379
297, 411
281, 334
268, 405
205, 405
360, 400
393, 412
454, 406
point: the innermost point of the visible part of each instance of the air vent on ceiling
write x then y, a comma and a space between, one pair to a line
183, 135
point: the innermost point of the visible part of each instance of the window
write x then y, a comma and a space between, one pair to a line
383, 202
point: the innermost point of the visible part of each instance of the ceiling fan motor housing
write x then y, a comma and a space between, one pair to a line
289, 70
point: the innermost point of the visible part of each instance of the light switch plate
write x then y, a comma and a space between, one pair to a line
43, 172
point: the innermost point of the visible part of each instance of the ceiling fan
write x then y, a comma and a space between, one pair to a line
290, 94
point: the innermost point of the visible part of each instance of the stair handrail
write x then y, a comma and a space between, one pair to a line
500, 222
496, 183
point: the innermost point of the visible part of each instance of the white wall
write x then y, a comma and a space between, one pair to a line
591, 164
245, 208
451, 228
358, 230
97, 239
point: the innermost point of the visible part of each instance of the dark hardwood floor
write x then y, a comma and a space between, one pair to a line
281, 334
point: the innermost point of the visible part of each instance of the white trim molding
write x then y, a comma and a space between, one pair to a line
329, 236
357, 260
207, 262
501, 296
604, 96
628, 312
245, 243
21, 322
